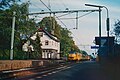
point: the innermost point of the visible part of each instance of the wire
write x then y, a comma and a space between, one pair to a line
72, 18
49, 4
66, 8
77, 17
46, 6
76, 37
51, 11
63, 3
36, 6
65, 14
85, 14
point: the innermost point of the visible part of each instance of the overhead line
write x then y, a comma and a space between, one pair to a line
52, 12
63, 3
36, 6
64, 15
46, 6
77, 17
85, 14
70, 11
72, 18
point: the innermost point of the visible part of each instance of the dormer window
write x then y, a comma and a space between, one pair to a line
46, 42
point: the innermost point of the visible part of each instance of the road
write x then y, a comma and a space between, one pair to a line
88, 70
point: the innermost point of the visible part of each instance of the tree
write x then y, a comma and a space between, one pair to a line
50, 24
5, 33
23, 25
6, 3
64, 35
116, 31
84, 52
37, 54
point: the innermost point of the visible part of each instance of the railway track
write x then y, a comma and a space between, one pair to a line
29, 72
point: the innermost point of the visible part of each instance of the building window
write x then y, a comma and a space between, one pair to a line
46, 42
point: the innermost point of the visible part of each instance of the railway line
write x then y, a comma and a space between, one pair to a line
26, 73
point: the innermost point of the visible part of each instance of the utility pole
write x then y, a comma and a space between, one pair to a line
12, 36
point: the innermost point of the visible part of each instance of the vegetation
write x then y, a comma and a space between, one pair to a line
24, 27
6, 3
116, 31
84, 52
67, 43
37, 54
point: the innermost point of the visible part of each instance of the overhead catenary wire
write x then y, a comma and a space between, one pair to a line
85, 14
67, 11
37, 6
79, 16
51, 11
65, 14
73, 17
49, 5
63, 3
79, 41
66, 8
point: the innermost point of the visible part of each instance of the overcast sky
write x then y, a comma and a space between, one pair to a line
88, 25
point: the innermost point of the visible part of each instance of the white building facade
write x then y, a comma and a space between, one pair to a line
50, 45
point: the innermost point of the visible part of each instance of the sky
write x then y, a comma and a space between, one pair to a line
87, 25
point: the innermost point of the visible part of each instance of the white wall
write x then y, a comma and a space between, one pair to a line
52, 44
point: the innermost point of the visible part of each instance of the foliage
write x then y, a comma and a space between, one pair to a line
37, 54
23, 25
117, 31
84, 52
66, 42
6, 3
50, 24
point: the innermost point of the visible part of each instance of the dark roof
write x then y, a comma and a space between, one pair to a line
50, 35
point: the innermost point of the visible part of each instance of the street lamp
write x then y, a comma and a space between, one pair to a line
107, 22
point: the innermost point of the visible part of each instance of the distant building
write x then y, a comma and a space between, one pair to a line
50, 44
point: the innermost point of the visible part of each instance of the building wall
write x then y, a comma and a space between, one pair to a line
50, 47
52, 44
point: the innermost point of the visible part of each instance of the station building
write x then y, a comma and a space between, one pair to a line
50, 44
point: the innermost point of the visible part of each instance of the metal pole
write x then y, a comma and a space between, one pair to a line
100, 25
77, 20
12, 36
108, 27
69, 11
107, 21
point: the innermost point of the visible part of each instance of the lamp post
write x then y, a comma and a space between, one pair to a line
107, 22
